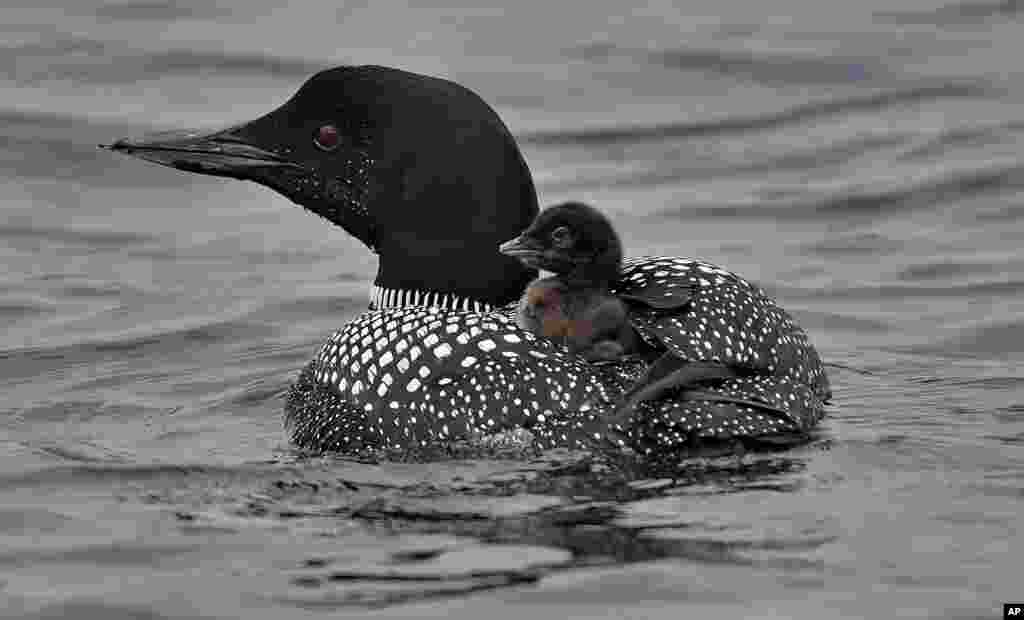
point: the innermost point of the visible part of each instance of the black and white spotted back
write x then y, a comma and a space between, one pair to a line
406, 377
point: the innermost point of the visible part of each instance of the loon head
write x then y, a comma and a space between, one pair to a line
419, 169
573, 240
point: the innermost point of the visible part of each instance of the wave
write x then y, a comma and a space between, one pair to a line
150, 343
760, 66
994, 287
829, 321
191, 61
861, 201
89, 61
13, 310
159, 11
106, 473
798, 159
1003, 339
854, 244
955, 14
34, 119
93, 239
974, 136
43, 145
599, 136
943, 270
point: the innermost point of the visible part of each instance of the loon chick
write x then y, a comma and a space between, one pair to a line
590, 322
578, 244
425, 173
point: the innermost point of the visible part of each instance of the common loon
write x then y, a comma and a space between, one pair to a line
425, 173
579, 245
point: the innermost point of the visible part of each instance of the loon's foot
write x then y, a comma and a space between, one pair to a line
666, 374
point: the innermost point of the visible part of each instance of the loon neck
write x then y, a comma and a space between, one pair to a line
585, 280
382, 298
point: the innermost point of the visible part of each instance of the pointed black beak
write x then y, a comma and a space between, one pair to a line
224, 152
521, 247
531, 253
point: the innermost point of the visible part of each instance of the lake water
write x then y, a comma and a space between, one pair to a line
861, 161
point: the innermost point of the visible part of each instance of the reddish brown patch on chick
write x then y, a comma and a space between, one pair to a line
589, 321
543, 310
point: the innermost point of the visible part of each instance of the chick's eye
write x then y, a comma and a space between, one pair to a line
327, 138
560, 234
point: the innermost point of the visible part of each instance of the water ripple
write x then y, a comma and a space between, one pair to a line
158, 10
88, 61
795, 115
760, 66
956, 13
874, 200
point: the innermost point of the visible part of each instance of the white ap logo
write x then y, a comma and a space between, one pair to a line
1014, 612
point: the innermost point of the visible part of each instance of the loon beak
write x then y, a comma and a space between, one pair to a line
223, 152
522, 248
533, 253
238, 153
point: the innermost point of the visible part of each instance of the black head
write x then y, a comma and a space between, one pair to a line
573, 240
419, 169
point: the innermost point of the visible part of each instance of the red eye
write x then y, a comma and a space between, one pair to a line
327, 138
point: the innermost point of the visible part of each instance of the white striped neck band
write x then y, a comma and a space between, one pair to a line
381, 298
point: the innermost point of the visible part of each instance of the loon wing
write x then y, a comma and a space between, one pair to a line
653, 293
765, 409
726, 319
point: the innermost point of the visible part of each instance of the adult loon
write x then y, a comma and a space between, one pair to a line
581, 247
425, 173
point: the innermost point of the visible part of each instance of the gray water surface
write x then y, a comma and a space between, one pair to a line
861, 161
